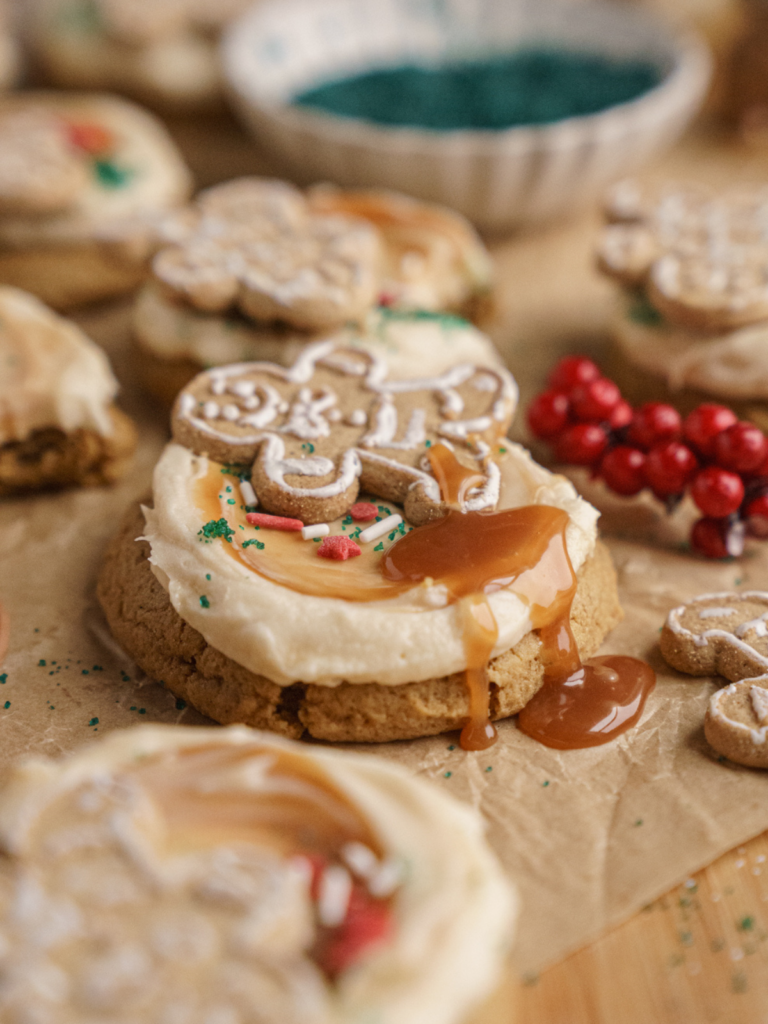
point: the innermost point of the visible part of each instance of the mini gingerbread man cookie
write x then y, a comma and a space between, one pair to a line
727, 634
255, 247
333, 424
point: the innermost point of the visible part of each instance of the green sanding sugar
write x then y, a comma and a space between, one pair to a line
527, 87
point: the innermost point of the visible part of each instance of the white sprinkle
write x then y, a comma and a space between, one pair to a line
218, 386
690, 883
333, 899
318, 530
251, 403
757, 871
737, 954
230, 412
248, 493
333, 415
742, 849
187, 404
740, 863
361, 859
379, 529
357, 418
211, 410
760, 858
243, 388
715, 897
386, 879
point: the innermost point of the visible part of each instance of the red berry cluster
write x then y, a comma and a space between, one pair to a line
721, 461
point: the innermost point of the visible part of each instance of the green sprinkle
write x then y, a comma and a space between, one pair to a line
317, 540
545, 783
259, 543
142, 711
308, 447
228, 489
4, 678
447, 775
738, 581
180, 704
216, 528
97, 668
489, 768
94, 721
204, 602
110, 175
531, 978
231, 501
41, 662
208, 576
379, 547
7, 705
642, 312
686, 938
638, 822
427, 444
85, 672
452, 746
502, 450
239, 470
746, 924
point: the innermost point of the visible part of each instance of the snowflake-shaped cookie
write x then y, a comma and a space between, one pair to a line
254, 245
727, 634
333, 425
703, 258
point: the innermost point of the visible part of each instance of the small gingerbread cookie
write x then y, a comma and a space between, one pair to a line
170, 874
333, 425
694, 267
85, 182
727, 634
163, 52
58, 422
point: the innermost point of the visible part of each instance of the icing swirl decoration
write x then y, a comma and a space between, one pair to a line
225, 874
333, 424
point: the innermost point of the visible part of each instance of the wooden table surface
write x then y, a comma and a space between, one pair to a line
699, 954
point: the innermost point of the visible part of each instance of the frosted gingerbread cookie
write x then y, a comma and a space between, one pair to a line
334, 554
163, 52
84, 184
258, 271
694, 268
58, 422
727, 634
227, 875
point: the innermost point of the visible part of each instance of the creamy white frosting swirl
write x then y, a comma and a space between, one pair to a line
51, 373
110, 913
290, 637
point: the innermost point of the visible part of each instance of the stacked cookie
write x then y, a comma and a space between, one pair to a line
694, 270
258, 270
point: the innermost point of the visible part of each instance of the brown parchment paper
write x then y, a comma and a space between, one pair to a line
588, 836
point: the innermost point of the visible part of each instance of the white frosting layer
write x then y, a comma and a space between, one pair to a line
290, 637
732, 365
51, 374
113, 918
157, 179
412, 345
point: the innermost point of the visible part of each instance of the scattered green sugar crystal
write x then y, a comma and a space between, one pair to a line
216, 528
538, 85
204, 602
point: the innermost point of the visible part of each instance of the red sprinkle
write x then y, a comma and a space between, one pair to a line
274, 522
362, 511
93, 138
338, 548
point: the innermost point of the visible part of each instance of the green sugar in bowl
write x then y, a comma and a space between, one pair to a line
511, 112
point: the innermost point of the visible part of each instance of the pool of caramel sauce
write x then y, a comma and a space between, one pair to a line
473, 554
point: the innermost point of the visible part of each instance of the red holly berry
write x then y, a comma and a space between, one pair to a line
338, 548
621, 416
756, 515
717, 538
742, 447
548, 413
595, 401
668, 468
653, 423
701, 427
623, 469
717, 492
571, 371
581, 445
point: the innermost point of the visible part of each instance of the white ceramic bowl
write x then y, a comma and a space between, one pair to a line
499, 179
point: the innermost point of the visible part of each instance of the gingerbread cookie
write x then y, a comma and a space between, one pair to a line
85, 182
727, 634
694, 265
331, 425
228, 875
58, 422
164, 52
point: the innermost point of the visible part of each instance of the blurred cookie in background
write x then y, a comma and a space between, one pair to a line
83, 181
